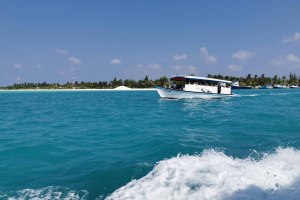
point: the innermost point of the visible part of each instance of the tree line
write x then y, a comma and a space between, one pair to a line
256, 80
144, 83
248, 80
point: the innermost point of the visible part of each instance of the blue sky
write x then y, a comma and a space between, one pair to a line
57, 40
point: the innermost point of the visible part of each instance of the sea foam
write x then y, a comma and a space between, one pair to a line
214, 175
246, 95
47, 193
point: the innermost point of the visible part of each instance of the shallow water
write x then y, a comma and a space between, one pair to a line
88, 144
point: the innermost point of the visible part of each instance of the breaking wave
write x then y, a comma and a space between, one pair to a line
214, 175
50, 192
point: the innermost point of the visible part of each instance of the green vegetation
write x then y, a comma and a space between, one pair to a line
249, 80
255, 80
145, 83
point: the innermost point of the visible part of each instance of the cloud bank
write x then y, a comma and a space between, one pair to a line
207, 57
243, 55
179, 57
17, 65
288, 59
72, 59
115, 61
62, 52
294, 38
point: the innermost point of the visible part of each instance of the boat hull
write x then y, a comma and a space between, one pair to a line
241, 87
181, 94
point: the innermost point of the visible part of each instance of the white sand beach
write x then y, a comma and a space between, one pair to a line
120, 88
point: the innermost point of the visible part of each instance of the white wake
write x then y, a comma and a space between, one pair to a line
214, 175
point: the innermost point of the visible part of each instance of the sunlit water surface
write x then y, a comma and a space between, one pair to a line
132, 144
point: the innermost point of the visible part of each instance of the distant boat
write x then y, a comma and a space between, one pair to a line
266, 87
195, 87
294, 86
236, 86
278, 86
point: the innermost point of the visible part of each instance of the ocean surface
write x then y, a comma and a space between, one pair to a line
134, 145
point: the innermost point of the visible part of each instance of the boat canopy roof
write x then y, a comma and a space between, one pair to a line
180, 78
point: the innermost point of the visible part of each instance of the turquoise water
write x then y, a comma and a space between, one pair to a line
88, 144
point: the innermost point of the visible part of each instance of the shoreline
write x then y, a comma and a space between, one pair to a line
70, 90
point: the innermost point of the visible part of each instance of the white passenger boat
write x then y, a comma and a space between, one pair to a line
278, 86
195, 87
266, 87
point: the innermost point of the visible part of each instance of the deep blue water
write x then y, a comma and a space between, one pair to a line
90, 143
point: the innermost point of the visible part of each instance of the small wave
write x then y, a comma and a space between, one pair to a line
145, 164
214, 175
246, 95
279, 94
50, 192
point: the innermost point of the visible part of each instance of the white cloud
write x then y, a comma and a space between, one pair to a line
155, 67
207, 57
292, 58
235, 67
243, 55
294, 38
62, 52
179, 69
115, 61
288, 59
74, 60
152, 70
17, 65
179, 57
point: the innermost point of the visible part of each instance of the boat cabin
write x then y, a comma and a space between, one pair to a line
200, 84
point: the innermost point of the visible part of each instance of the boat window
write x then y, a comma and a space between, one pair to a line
182, 81
176, 84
